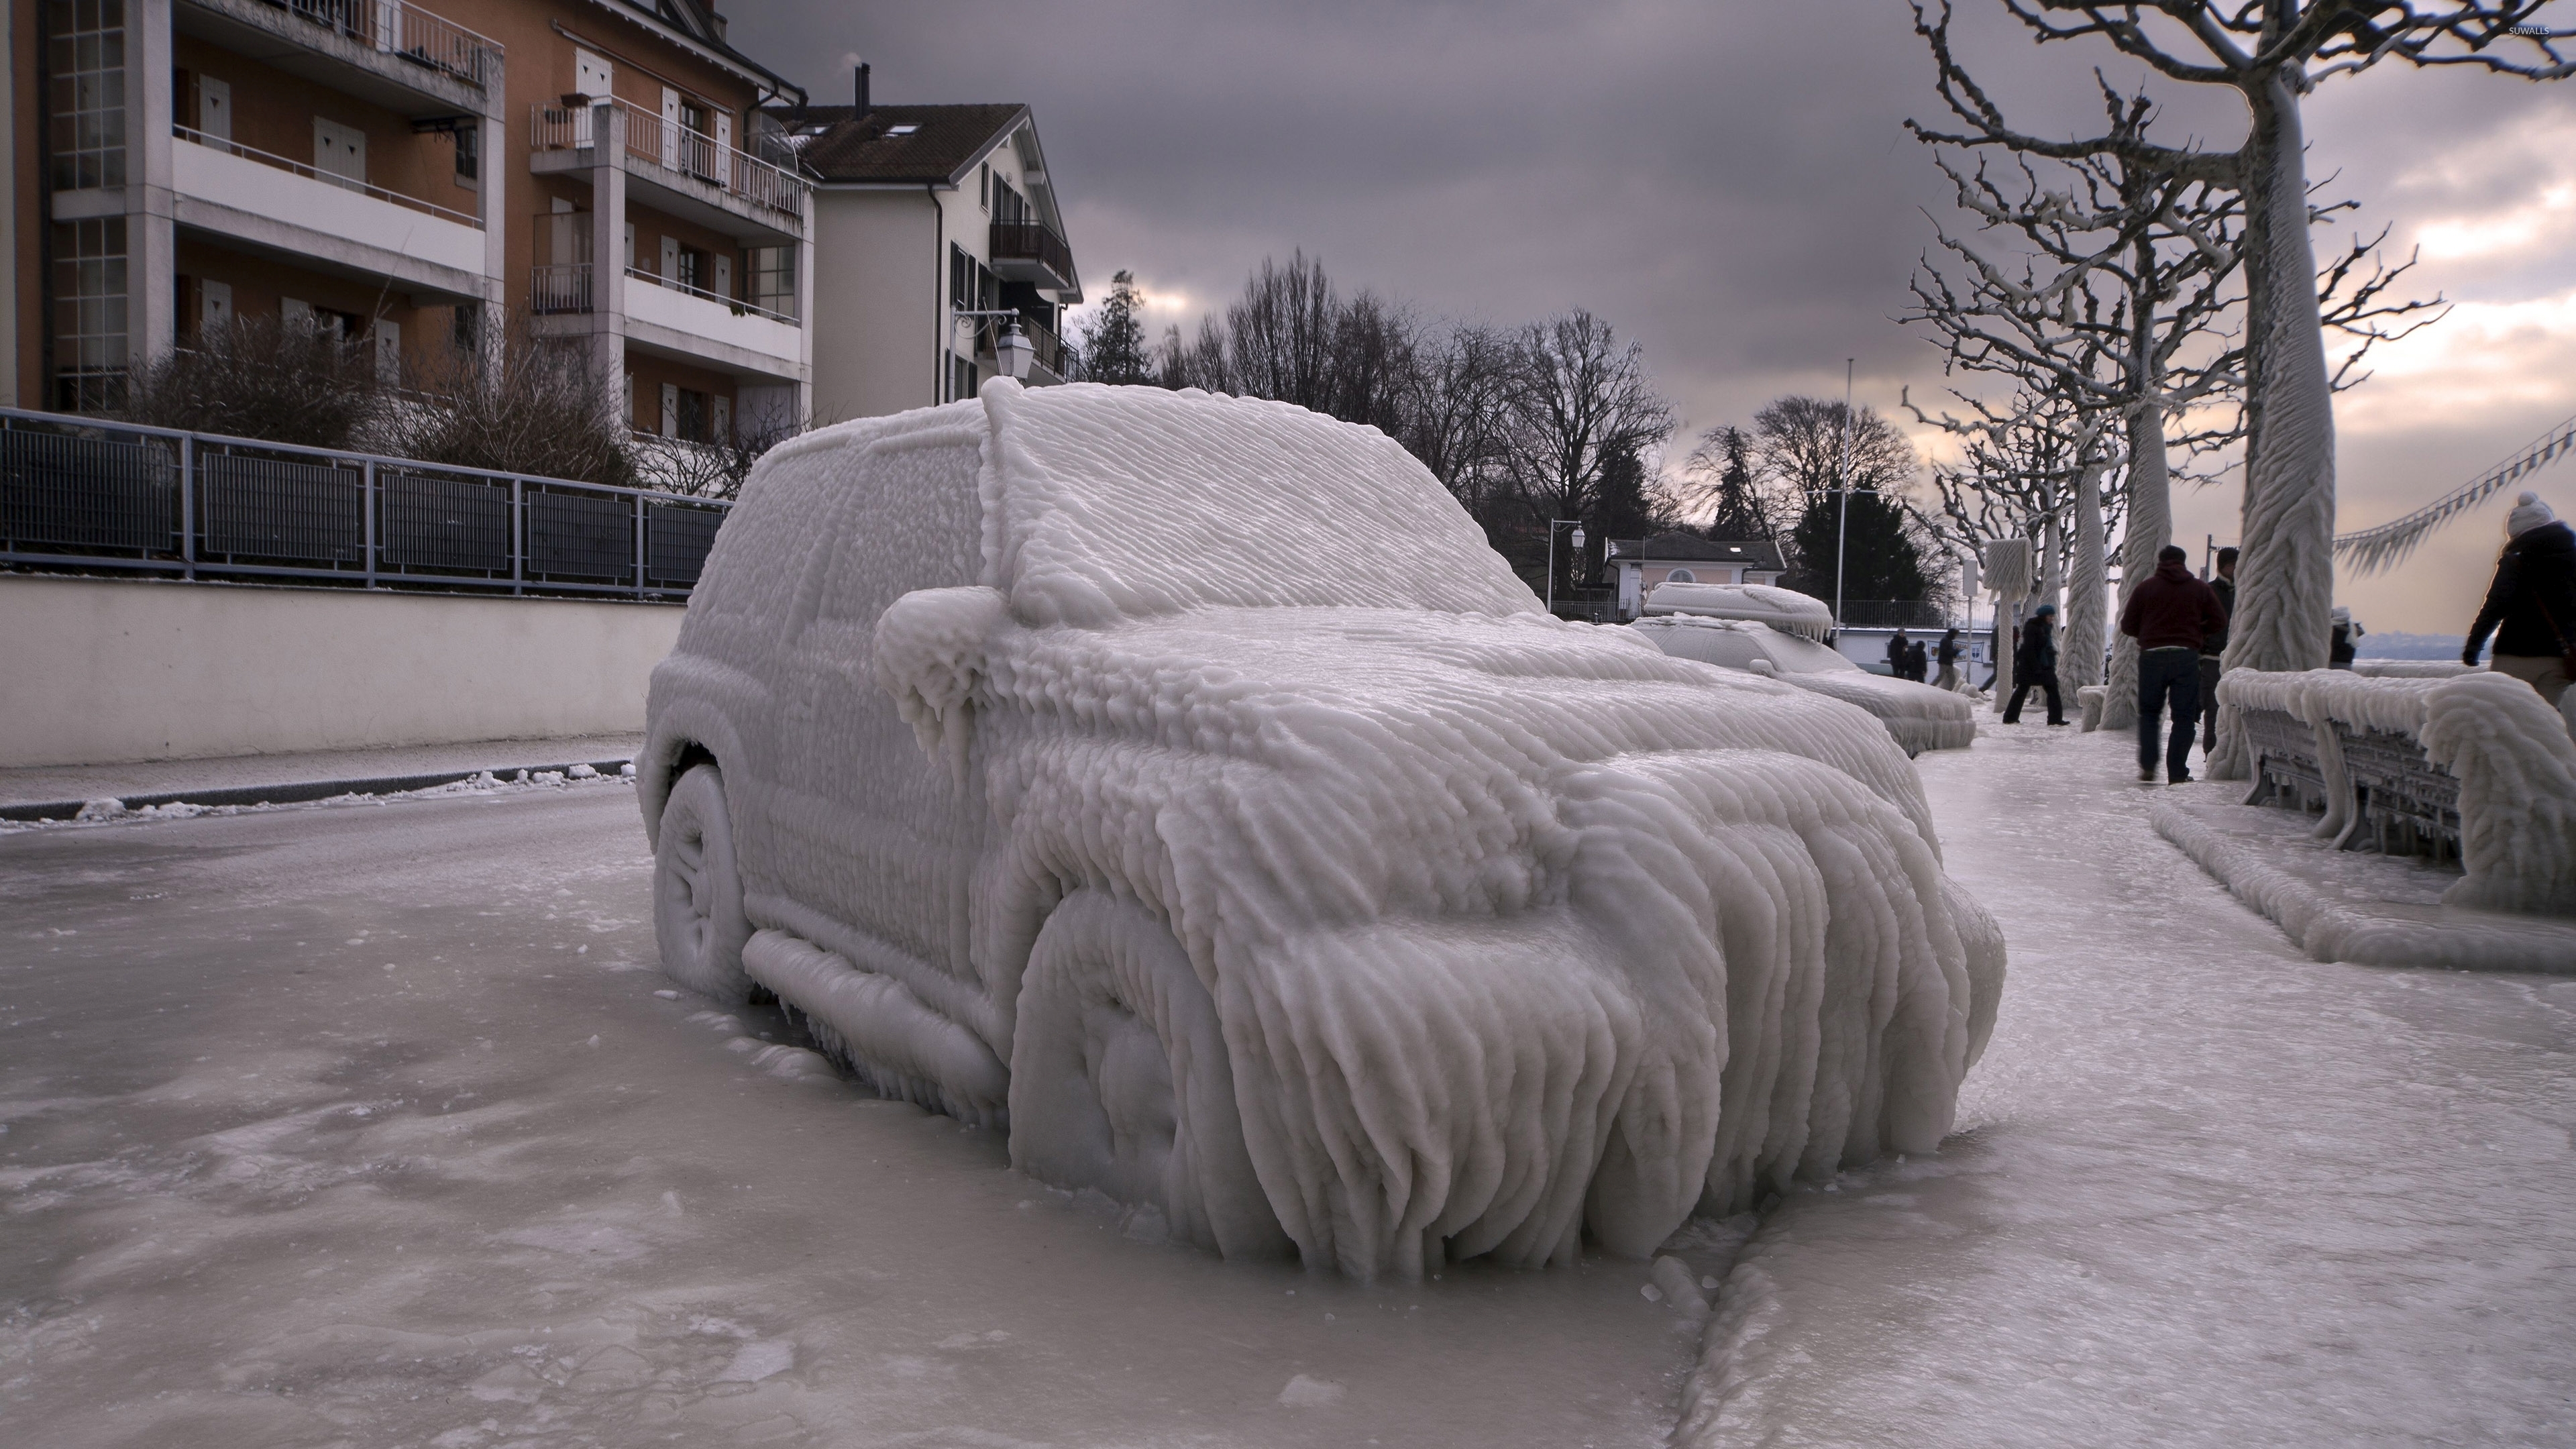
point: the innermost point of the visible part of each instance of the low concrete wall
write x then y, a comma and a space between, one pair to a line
100, 671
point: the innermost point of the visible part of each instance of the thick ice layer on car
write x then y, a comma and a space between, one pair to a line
1917, 716
1506, 928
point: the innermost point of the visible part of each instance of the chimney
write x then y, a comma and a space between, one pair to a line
862, 112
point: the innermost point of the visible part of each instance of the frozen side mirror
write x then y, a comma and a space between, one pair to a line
929, 655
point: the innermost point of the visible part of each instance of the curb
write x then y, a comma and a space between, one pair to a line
299, 793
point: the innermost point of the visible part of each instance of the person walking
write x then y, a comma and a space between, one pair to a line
1896, 656
2170, 614
2224, 586
1916, 666
2339, 650
1949, 656
2531, 605
2035, 666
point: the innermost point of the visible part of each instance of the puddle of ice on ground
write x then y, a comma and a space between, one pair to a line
257, 1189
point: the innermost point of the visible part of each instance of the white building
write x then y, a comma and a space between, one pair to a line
1687, 558
921, 214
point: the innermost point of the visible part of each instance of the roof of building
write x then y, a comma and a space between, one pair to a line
842, 143
696, 24
1754, 553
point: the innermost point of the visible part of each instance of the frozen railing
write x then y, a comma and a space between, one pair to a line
346, 183
91, 496
406, 32
674, 148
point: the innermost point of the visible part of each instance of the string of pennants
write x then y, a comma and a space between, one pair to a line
2373, 549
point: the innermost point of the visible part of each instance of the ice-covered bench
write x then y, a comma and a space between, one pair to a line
2473, 763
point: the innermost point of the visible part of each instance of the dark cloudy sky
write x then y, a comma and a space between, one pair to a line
1726, 181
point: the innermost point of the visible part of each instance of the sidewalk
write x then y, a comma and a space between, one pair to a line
25, 791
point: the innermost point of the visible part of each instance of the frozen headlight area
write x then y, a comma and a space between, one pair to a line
1073, 760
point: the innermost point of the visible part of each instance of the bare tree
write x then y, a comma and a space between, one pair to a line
1579, 401
1455, 413
522, 405
2272, 53
280, 379
1719, 476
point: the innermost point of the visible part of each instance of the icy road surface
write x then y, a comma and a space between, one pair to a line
362, 1125
2206, 1191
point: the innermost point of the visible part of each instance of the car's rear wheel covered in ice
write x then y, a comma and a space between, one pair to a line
1120, 1080
697, 891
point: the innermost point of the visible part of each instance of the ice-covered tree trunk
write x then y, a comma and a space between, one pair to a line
2285, 563
2149, 528
2080, 661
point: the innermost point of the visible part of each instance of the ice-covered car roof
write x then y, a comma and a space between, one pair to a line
1166, 504
1787, 610
1917, 716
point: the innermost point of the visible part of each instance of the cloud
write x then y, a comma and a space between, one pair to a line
1729, 184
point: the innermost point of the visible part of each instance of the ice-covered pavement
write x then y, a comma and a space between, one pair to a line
2206, 1191
363, 1125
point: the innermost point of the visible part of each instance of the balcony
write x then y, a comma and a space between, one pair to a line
1030, 251
667, 319
388, 52
286, 207
676, 170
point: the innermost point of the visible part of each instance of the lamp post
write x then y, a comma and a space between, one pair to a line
1012, 350
1576, 540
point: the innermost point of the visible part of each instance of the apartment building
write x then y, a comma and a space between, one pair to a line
938, 226
598, 172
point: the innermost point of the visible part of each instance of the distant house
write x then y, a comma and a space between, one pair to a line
1688, 558
921, 214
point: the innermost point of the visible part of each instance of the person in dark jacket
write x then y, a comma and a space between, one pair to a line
2531, 606
2035, 666
2224, 586
1949, 676
2340, 649
1917, 666
1896, 655
2170, 614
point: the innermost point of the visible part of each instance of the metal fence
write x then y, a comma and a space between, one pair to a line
80, 494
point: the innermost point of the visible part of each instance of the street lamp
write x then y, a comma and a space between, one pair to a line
1012, 351
1575, 540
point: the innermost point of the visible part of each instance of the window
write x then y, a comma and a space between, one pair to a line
85, 55
961, 377
1681, 576
340, 153
1009, 207
906, 129
984, 186
691, 424
89, 314
468, 136
773, 279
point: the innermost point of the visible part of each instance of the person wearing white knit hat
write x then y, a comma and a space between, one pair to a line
2531, 606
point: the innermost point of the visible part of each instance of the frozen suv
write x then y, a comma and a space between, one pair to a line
1181, 783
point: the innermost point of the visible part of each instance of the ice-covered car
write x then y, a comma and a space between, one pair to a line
1917, 716
1183, 784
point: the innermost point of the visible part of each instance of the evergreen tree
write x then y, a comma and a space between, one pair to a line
1720, 472
1879, 556
1113, 339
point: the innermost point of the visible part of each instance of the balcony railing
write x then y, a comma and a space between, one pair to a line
560, 287
674, 148
406, 32
345, 183
1030, 251
736, 304
77, 494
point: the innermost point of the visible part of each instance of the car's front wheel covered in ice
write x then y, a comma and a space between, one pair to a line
697, 891
1120, 1080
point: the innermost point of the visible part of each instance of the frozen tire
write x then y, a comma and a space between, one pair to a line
1120, 1080
697, 892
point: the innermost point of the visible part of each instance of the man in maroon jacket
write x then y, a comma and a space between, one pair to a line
2170, 615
